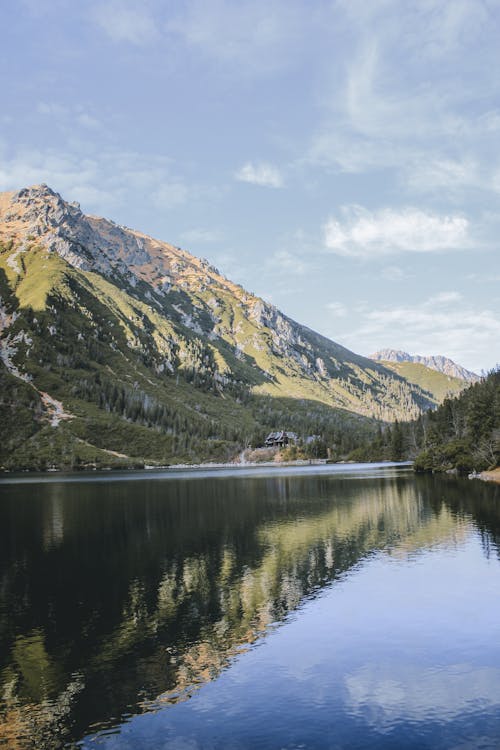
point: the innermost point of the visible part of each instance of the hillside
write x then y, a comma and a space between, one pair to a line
464, 432
428, 379
116, 348
437, 363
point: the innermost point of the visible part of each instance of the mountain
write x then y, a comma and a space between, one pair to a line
428, 379
118, 348
438, 363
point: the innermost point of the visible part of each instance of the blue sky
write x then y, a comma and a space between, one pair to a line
341, 159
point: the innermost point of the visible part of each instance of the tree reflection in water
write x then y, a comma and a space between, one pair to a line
120, 597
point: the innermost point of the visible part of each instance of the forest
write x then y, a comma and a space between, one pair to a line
462, 434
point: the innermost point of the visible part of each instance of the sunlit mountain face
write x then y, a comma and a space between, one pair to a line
118, 349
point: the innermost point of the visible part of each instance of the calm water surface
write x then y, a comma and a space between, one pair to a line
311, 608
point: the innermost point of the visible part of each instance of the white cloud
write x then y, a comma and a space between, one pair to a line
443, 298
60, 171
261, 173
429, 174
441, 324
363, 233
126, 22
102, 181
413, 103
88, 121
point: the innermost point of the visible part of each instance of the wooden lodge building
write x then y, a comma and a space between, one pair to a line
280, 439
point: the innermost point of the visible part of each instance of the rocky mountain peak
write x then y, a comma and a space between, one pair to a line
39, 215
435, 362
44, 208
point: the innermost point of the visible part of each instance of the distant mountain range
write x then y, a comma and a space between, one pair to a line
438, 363
119, 348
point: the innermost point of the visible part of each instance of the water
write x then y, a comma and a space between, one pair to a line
297, 608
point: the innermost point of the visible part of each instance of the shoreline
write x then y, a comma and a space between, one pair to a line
198, 470
490, 476
206, 465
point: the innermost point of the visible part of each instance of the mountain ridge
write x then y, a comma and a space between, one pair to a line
437, 362
126, 335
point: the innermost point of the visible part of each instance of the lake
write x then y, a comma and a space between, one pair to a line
312, 607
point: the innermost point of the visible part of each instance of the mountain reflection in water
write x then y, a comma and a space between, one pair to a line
119, 598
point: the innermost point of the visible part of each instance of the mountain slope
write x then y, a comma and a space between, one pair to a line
438, 363
130, 348
428, 379
464, 432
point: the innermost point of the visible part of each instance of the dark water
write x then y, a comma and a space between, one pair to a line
299, 609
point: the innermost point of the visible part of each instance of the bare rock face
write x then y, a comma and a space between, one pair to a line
437, 362
38, 214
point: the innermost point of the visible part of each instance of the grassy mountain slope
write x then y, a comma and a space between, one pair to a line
434, 362
129, 349
432, 381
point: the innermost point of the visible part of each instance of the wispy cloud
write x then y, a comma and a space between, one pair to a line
285, 262
170, 194
363, 233
260, 37
441, 324
41, 8
413, 103
337, 309
393, 273
201, 236
69, 116
452, 177
261, 173
130, 22
102, 181
443, 298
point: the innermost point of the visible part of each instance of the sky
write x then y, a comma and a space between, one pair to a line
340, 159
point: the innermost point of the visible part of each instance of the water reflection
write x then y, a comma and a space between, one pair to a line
116, 598
421, 693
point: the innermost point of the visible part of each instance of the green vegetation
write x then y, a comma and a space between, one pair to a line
439, 385
194, 374
20, 411
464, 432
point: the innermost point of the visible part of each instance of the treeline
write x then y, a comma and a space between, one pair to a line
393, 396
135, 405
462, 434
335, 432
20, 408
